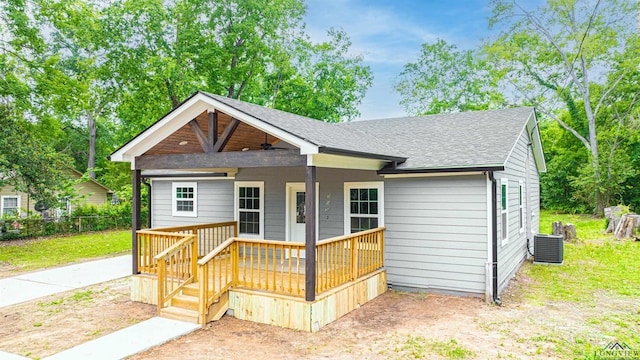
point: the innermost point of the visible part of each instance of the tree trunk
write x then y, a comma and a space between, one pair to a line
91, 163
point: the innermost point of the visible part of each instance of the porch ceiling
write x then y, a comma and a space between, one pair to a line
245, 136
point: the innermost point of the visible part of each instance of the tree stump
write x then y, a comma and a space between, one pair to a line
558, 228
627, 225
569, 232
613, 214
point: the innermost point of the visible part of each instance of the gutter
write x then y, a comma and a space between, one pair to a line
393, 170
494, 240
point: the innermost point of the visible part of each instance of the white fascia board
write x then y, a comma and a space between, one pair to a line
304, 146
161, 130
344, 162
533, 128
187, 112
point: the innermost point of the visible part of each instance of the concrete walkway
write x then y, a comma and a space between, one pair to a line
117, 345
129, 341
21, 288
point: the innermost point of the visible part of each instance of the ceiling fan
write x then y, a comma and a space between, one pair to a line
267, 146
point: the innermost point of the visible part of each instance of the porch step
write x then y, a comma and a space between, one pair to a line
185, 302
176, 313
192, 289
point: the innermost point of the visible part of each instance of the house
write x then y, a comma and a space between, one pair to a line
453, 198
90, 192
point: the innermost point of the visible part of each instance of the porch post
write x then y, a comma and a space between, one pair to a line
310, 238
136, 180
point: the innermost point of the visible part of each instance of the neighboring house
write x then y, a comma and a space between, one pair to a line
457, 193
89, 192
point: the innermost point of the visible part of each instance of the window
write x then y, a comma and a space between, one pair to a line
249, 204
363, 206
504, 212
10, 206
185, 199
521, 202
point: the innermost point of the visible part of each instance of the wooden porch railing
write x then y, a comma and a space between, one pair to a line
150, 244
177, 267
344, 258
274, 266
154, 241
209, 235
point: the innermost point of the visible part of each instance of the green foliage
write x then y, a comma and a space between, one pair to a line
446, 79
44, 253
27, 163
571, 60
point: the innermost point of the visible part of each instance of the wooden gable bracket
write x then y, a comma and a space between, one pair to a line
206, 144
226, 135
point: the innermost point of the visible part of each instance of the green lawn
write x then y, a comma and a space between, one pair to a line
42, 253
597, 262
598, 272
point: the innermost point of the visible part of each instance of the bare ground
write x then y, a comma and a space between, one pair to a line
46, 326
393, 326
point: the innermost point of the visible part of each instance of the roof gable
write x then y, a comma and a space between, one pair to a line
481, 139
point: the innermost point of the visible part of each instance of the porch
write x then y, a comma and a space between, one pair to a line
198, 273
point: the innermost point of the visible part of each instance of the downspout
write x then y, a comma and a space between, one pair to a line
148, 185
494, 239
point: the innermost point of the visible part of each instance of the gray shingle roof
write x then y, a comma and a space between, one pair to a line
455, 140
311, 130
469, 139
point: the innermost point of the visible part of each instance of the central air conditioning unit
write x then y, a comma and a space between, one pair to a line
548, 249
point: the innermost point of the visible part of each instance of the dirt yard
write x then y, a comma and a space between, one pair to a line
394, 326
46, 326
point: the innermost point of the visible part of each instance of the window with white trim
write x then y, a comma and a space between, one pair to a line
363, 206
249, 204
504, 211
10, 205
521, 204
184, 199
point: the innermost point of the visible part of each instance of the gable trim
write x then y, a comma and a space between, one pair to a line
187, 111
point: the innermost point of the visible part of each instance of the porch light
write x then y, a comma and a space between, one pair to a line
185, 142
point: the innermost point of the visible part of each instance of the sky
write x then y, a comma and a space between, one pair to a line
389, 35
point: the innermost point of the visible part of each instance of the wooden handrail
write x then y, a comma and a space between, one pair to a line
348, 236
216, 251
196, 226
175, 247
179, 261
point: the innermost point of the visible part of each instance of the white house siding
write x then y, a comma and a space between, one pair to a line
514, 252
330, 198
436, 236
215, 202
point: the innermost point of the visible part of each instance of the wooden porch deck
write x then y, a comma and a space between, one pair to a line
197, 288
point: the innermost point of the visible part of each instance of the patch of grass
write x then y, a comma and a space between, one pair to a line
418, 347
82, 296
600, 263
49, 252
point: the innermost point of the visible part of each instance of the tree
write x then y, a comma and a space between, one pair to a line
322, 81
445, 79
570, 55
26, 162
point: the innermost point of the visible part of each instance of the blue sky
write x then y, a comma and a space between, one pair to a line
389, 34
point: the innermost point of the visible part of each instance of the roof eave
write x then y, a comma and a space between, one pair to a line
453, 169
344, 152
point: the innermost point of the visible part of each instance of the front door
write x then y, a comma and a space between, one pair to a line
296, 215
